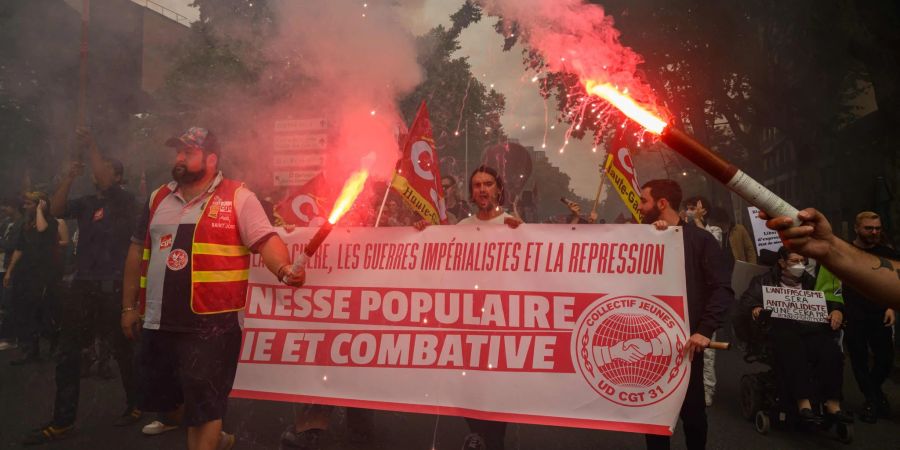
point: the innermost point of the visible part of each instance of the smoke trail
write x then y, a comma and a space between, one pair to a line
358, 60
575, 37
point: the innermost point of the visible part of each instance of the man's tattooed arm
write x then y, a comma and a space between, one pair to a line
886, 264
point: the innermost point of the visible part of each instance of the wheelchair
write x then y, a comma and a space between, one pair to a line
763, 399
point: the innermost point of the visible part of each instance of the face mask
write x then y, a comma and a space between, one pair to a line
796, 270
690, 214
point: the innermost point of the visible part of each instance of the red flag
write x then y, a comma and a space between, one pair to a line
305, 206
418, 175
619, 168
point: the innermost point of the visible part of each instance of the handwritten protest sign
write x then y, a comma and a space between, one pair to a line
766, 239
795, 304
557, 325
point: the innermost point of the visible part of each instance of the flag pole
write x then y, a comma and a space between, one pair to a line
602, 184
401, 137
387, 190
467, 147
599, 192
83, 62
81, 119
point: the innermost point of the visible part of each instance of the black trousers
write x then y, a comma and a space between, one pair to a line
6, 321
492, 432
92, 308
804, 358
693, 413
193, 369
34, 311
861, 335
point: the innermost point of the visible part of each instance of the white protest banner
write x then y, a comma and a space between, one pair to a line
543, 324
765, 238
795, 304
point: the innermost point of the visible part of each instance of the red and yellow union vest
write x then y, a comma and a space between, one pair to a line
220, 263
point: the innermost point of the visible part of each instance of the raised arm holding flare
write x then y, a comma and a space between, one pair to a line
877, 278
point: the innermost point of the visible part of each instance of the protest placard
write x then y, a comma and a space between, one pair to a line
766, 239
795, 304
571, 326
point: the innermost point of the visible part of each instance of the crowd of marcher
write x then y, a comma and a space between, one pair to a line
157, 283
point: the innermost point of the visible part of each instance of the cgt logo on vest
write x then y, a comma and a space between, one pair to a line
220, 211
630, 349
218, 206
177, 259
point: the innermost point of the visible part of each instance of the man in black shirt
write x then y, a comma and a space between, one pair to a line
34, 271
709, 294
869, 326
10, 227
105, 220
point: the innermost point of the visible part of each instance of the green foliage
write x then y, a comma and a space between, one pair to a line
458, 103
222, 53
733, 71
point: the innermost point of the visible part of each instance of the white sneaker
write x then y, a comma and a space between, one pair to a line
156, 427
226, 441
6, 345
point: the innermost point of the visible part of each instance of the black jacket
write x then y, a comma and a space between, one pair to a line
708, 280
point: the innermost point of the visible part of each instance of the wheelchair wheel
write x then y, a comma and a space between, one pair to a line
844, 432
751, 398
762, 422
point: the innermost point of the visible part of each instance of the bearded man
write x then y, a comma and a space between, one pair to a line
186, 274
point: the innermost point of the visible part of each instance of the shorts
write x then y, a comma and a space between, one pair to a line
196, 369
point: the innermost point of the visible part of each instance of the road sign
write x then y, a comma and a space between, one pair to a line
290, 142
301, 125
297, 159
298, 149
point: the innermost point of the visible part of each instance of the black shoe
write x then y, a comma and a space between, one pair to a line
50, 433
868, 414
474, 441
883, 408
807, 415
130, 416
840, 416
303, 440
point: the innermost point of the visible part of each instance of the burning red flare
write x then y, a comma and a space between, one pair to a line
351, 190
628, 106
713, 164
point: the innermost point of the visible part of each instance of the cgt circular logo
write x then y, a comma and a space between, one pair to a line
630, 349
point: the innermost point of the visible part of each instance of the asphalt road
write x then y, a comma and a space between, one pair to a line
26, 397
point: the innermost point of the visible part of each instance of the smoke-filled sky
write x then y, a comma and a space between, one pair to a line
528, 117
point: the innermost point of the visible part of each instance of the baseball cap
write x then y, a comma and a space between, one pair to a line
196, 137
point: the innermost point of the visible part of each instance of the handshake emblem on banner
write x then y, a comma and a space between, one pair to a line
632, 350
